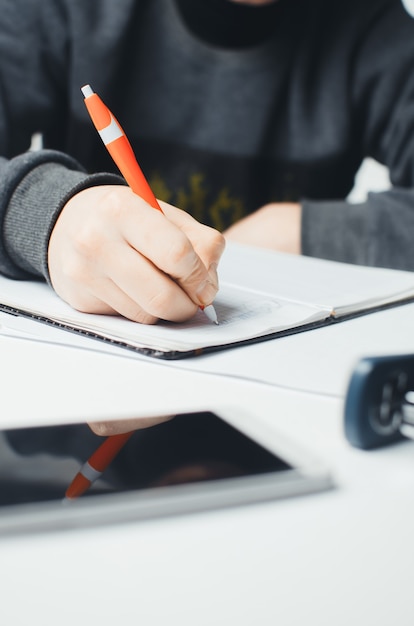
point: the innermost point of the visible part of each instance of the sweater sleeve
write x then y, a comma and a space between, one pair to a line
378, 232
35, 187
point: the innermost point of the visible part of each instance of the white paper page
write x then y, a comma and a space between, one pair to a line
242, 315
271, 280
340, 287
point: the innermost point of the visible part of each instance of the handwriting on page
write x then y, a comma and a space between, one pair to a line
230, 314
233, 309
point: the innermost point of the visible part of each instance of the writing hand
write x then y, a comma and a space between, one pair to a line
110, 252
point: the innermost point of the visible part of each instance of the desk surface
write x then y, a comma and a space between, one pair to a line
107, 379
342, 557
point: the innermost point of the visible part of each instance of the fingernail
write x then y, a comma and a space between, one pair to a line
206, 292
213, 276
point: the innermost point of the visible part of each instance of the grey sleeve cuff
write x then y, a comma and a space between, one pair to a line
378, 232
335, 230
33, 209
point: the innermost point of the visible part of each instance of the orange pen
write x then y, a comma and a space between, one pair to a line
121, 152
96, 464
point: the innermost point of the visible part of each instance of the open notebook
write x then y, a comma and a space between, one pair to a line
262, 295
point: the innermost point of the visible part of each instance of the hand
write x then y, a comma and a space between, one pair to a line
116, 427
110, 252
276, 226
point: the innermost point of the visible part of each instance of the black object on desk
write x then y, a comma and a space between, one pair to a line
379, 404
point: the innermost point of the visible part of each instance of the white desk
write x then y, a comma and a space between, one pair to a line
338, 558
316, 362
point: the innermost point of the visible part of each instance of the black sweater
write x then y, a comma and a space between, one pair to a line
220, 126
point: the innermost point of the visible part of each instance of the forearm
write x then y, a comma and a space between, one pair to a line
276, 226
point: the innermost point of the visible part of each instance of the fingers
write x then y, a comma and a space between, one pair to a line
179, 246
145, 299
117, 427
110, 252
207, 242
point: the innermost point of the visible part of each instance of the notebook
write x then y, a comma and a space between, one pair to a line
263, 295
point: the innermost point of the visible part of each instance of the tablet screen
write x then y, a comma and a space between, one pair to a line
190, 462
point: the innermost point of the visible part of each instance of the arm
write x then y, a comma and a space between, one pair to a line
109, 251
60, 224
379, 231
34, 186
274, 226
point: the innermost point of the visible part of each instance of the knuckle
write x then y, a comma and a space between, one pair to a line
75, 270
94, 233
113, 202
179, 251
89, 242
166, 305
160, 303
143, 317
214, 240
218, 240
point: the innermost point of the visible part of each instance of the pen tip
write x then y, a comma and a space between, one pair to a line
211, 313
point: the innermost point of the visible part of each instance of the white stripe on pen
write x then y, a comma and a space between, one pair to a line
89, 472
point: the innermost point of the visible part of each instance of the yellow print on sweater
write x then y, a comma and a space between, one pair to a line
220, 212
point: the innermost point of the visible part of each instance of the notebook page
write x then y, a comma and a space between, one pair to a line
242, 314
341, 287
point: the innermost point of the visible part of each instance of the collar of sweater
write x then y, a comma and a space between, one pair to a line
228, 24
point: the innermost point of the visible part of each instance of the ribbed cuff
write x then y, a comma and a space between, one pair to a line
33, 210
336, 230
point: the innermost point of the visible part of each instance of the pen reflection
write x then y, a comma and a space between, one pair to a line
186, 449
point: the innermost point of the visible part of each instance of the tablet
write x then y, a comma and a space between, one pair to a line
192, 462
